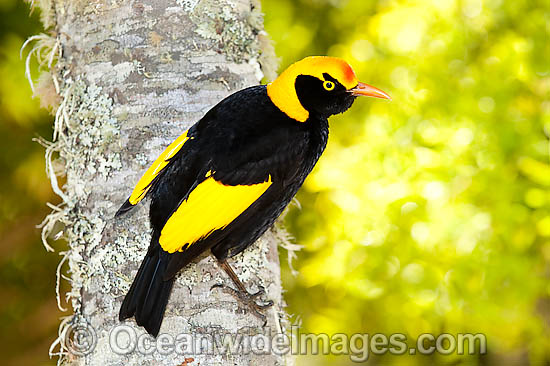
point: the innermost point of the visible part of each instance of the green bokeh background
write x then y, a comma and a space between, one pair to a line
430, 213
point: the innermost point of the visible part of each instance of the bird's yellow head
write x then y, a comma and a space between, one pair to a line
318, 84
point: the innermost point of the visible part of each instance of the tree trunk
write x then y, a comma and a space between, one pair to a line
132, 76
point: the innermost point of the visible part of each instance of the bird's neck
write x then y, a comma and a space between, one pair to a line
318, 128
282, 93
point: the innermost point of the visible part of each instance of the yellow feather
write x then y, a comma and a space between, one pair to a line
143, 185
210, 206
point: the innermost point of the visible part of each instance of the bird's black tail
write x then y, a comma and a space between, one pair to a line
149, 293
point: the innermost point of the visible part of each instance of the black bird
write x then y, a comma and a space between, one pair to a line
224, 182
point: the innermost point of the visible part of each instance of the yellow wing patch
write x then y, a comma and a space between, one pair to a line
143, 185
210, 206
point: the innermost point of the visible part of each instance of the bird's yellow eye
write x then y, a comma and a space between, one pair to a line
328, 85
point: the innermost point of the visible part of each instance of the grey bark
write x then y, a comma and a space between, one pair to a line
132, 76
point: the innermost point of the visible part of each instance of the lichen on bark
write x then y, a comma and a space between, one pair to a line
132, 76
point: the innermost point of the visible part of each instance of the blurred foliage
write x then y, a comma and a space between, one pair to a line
28, 312
430, 213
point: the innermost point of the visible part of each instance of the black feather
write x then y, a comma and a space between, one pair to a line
126, 206
149, 293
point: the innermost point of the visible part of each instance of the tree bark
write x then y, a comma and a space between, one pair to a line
132, 76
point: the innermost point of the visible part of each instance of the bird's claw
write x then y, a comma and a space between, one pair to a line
260, 292
248, 299
266, 304
217, 285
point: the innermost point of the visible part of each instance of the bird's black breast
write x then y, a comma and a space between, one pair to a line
269, 144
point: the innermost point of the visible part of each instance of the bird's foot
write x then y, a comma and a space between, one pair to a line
249, 299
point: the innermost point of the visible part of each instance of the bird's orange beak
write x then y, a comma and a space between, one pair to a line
368, 91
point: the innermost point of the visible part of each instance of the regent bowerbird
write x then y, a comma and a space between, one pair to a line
223, 182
